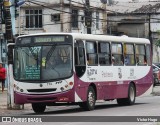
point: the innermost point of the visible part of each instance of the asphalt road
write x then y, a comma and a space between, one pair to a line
145, 106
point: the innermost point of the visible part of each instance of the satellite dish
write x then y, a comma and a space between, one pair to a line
104, 1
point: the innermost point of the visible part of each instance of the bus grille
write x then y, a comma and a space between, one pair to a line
41, 90
41, 99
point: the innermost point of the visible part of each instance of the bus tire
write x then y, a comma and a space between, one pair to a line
91, 100
38, 107
130, 100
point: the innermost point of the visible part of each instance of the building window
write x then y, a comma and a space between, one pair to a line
33, 18
97, 20
75, 18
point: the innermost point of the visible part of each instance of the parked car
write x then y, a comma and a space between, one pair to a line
156, 73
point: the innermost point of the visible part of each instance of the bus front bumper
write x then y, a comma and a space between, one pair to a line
21, 98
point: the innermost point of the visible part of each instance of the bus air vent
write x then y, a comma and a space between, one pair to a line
41, 90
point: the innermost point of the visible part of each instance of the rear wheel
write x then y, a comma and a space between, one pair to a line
38, 107
91, 99
131, 97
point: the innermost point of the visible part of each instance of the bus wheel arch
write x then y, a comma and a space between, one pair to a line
95, 89
38, 107
130, 100
89, 104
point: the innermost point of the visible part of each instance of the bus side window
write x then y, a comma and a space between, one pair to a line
117, 54
140, 54
75, 54
91, 50
148, 54
104, 53
79, 53
81, 56
129, 58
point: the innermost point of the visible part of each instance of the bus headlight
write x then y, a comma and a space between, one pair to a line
21, 90
17, 88
62, 89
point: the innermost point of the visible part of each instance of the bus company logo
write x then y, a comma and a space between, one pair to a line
132, 75
6, 119
107, 74
120, 73
131, 72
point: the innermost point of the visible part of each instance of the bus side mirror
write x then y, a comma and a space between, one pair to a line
10, 52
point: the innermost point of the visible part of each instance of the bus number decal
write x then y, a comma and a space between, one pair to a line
91, 72
49, 84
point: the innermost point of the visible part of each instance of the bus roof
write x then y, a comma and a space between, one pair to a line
79, 36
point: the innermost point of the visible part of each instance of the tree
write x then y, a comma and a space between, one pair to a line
158, 41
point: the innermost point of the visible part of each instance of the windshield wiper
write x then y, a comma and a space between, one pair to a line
50, 52
35, 55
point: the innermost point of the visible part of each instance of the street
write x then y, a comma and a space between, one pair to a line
144, 106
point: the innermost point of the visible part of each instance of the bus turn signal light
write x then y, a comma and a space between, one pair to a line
70, 83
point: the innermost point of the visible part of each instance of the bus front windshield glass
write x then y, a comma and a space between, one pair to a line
43, 62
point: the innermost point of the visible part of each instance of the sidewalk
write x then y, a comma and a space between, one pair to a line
3, 102
156, 91
3, 106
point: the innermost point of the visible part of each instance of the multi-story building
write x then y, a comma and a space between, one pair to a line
2, 40
77, 16
136, 19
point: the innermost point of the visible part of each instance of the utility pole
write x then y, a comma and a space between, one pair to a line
150, 32
61, 15
8, 23
88, 17
104, 18
10, 40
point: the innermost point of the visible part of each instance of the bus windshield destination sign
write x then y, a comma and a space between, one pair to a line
49, 39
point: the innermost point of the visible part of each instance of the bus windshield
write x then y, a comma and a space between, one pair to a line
43, 62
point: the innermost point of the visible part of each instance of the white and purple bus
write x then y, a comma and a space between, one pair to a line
66, 68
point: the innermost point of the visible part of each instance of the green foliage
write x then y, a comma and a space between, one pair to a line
158, 43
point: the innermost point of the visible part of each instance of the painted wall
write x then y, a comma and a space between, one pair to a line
65, 24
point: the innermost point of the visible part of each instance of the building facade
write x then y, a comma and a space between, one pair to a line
78, 16
137, 19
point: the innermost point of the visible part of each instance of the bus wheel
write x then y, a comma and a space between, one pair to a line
38, 107
131, 97
91, 99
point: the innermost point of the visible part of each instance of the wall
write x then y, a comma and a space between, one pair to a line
133, 30
65, 24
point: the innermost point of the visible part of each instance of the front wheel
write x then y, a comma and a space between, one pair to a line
38, 107
91, 99
130, 100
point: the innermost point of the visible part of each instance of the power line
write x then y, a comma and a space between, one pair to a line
63, 11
